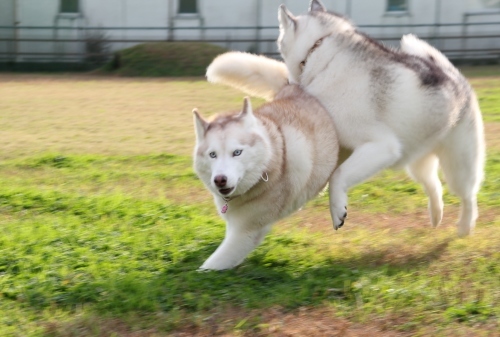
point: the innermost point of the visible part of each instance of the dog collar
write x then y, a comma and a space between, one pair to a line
226, 200
224, 208
313, 48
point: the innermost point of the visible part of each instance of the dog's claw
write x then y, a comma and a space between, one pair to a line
340, 225
341, 222
338, 208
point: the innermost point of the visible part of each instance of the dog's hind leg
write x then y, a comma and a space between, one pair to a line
235, 247
425, 172
462, 160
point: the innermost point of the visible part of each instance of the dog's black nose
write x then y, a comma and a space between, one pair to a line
220, 180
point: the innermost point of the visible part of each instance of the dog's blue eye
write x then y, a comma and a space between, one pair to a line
237, 153
212, 155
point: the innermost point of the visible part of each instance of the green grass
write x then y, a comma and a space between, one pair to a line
94, 243
489, 98
486, 71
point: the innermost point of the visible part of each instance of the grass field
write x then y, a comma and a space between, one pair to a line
103, 224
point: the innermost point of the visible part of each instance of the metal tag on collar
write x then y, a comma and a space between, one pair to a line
225, 207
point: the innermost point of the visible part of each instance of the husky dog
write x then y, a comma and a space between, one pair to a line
262, 165
391, 107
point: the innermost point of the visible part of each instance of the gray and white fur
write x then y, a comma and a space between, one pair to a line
407, 107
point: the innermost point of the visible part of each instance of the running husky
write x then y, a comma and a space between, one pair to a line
262, 165
392, 108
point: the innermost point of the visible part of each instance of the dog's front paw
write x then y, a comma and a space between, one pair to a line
338, 211
207, 267
213, 264
339, 218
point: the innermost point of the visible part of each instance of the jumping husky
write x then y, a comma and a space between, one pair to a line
391, 107
262, 165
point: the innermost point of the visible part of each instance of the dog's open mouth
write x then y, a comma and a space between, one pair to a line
226, 191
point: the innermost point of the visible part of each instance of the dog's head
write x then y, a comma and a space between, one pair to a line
231, 151
299, 34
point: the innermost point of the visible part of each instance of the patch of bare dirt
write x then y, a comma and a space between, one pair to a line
102, 327
319, 220
230, 322
233, 322
318, 322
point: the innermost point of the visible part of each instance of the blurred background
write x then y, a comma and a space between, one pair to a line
84, 34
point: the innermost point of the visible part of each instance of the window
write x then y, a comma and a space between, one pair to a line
188, 6
397, 5
69, 6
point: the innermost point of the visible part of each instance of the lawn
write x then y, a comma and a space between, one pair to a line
103, 224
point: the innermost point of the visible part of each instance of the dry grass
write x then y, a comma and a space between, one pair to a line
492, 138
102, 115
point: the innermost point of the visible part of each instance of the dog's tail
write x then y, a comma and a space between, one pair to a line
413, 45
253, 74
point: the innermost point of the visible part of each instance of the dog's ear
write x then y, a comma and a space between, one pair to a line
200, 125
316, 6
247, 113
286, 19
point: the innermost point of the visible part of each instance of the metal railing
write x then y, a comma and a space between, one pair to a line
478, 40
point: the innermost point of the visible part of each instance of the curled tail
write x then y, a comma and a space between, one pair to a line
253, 74
413, 45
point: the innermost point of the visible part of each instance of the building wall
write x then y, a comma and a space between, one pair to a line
162, 14
7, 19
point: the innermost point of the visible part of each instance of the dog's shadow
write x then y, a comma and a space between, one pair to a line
264, 282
